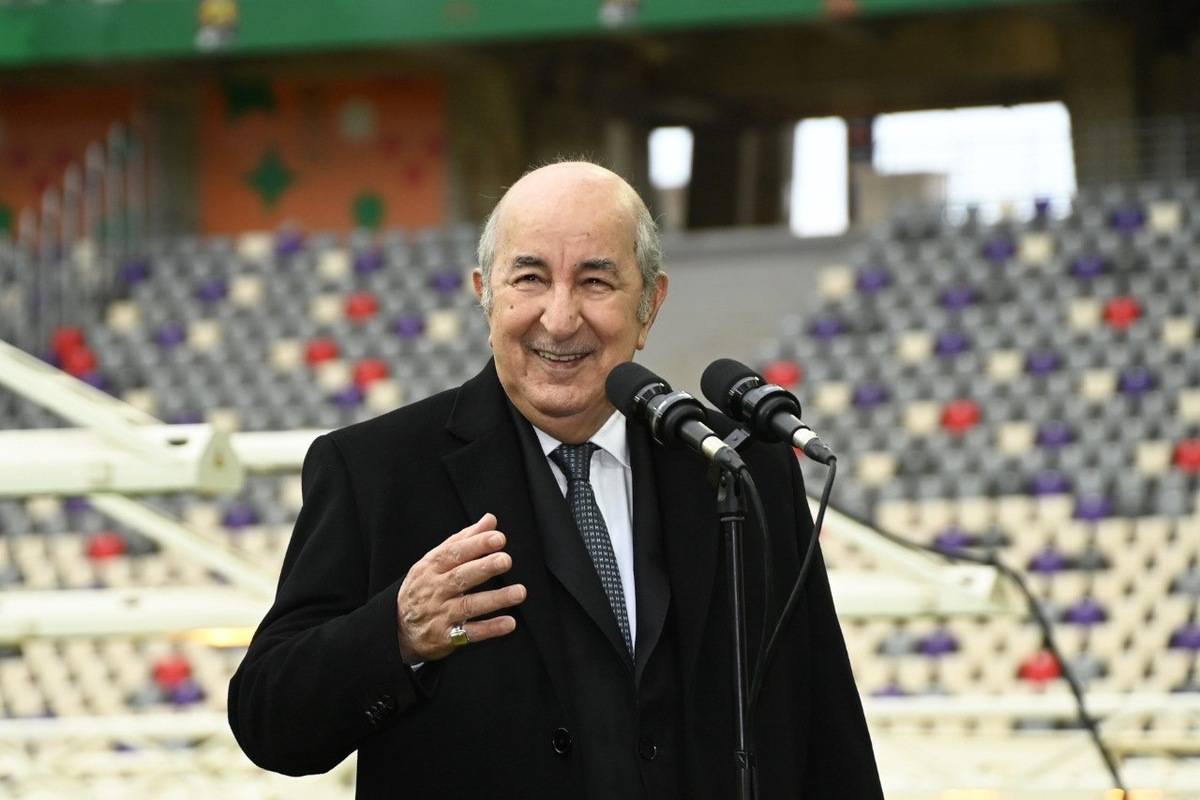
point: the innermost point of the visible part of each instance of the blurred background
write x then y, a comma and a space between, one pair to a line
963, 232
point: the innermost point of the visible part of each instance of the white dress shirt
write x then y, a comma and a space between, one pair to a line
612, 482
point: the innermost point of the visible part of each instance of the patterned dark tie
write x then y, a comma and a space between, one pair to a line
575, 460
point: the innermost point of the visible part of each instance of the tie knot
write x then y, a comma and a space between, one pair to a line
575, 460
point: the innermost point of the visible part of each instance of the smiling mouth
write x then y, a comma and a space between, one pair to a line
560, 358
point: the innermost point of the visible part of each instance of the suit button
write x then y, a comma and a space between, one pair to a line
562, 741
647, 749
372, 717
388, 702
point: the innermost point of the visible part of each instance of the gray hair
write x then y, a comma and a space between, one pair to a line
647, 247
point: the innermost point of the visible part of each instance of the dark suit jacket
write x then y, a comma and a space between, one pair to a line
323, 675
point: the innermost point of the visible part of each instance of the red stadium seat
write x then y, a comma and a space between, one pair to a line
369, 370
170, 671
320, 350
79, 361
1187, 455
784, 373
1121, 312
361, 306
66, 339
104, 545
959, 416
1040, 668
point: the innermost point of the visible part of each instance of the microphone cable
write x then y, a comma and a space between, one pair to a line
767, 651
1039, 616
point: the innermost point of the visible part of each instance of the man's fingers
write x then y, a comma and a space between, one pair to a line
485, 523
453, 552
486, 629
467, 576
477, 604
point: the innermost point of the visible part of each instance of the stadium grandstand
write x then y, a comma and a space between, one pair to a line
963, 232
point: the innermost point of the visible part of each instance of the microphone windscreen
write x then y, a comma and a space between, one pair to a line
624, 383
719, 378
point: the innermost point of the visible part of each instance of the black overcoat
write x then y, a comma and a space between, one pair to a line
323, 676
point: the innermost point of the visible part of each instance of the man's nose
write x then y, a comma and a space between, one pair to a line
560, 317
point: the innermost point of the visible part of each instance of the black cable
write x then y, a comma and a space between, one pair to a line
1035, 608
760, 515
793, 600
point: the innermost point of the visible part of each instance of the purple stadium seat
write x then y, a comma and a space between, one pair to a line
951, 343
213, 290
1088, 266
367, 262
1136, 380
408, 326
186, 693
953, 540
1093, 508
938, 643
826, 327
1127, 219
959, 296
1042, 361
1085, 611
239, 515
1186, 637
999, 249
873, 279
349, 397
288, 242
446, 282
170, 334
133, 272
1047, 562
1054, 434
1049, 482
870, 393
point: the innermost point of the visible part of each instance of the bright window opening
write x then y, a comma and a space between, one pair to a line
670, 157
819, 194
993, 157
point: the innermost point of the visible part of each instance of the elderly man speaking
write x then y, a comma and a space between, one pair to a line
507, 591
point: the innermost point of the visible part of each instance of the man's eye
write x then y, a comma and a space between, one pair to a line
596, 282
527, 278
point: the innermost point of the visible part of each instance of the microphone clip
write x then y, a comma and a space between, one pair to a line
736, 438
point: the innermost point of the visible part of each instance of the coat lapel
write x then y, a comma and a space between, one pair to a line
487, 480
650, 576
567, 557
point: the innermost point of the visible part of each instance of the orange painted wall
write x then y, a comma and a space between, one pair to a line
42, 130
322, 154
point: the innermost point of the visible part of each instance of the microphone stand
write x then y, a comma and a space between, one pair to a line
731, 511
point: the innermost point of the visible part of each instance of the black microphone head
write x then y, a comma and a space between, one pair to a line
626, 382
721, 378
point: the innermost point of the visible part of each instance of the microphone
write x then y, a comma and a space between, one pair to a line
675, 419
771, 412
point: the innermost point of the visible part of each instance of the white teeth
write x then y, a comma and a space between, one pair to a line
559, 358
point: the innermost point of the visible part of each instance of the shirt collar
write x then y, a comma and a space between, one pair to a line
611, 438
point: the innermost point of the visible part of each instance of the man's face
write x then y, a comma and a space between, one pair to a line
565, 293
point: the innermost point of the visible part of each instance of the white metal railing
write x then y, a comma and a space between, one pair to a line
66, 252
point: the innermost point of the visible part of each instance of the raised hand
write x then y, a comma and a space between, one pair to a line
435, 595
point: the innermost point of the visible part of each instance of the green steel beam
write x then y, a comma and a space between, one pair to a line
66, 31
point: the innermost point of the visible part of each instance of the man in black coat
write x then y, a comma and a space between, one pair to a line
447, 609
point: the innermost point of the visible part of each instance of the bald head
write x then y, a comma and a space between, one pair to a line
560, 185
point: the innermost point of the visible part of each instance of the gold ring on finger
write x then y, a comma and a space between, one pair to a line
459, 636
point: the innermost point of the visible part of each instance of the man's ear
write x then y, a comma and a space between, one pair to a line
656, 301
477, 283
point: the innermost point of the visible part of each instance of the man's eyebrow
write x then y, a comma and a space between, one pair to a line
604, 264
528, 261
